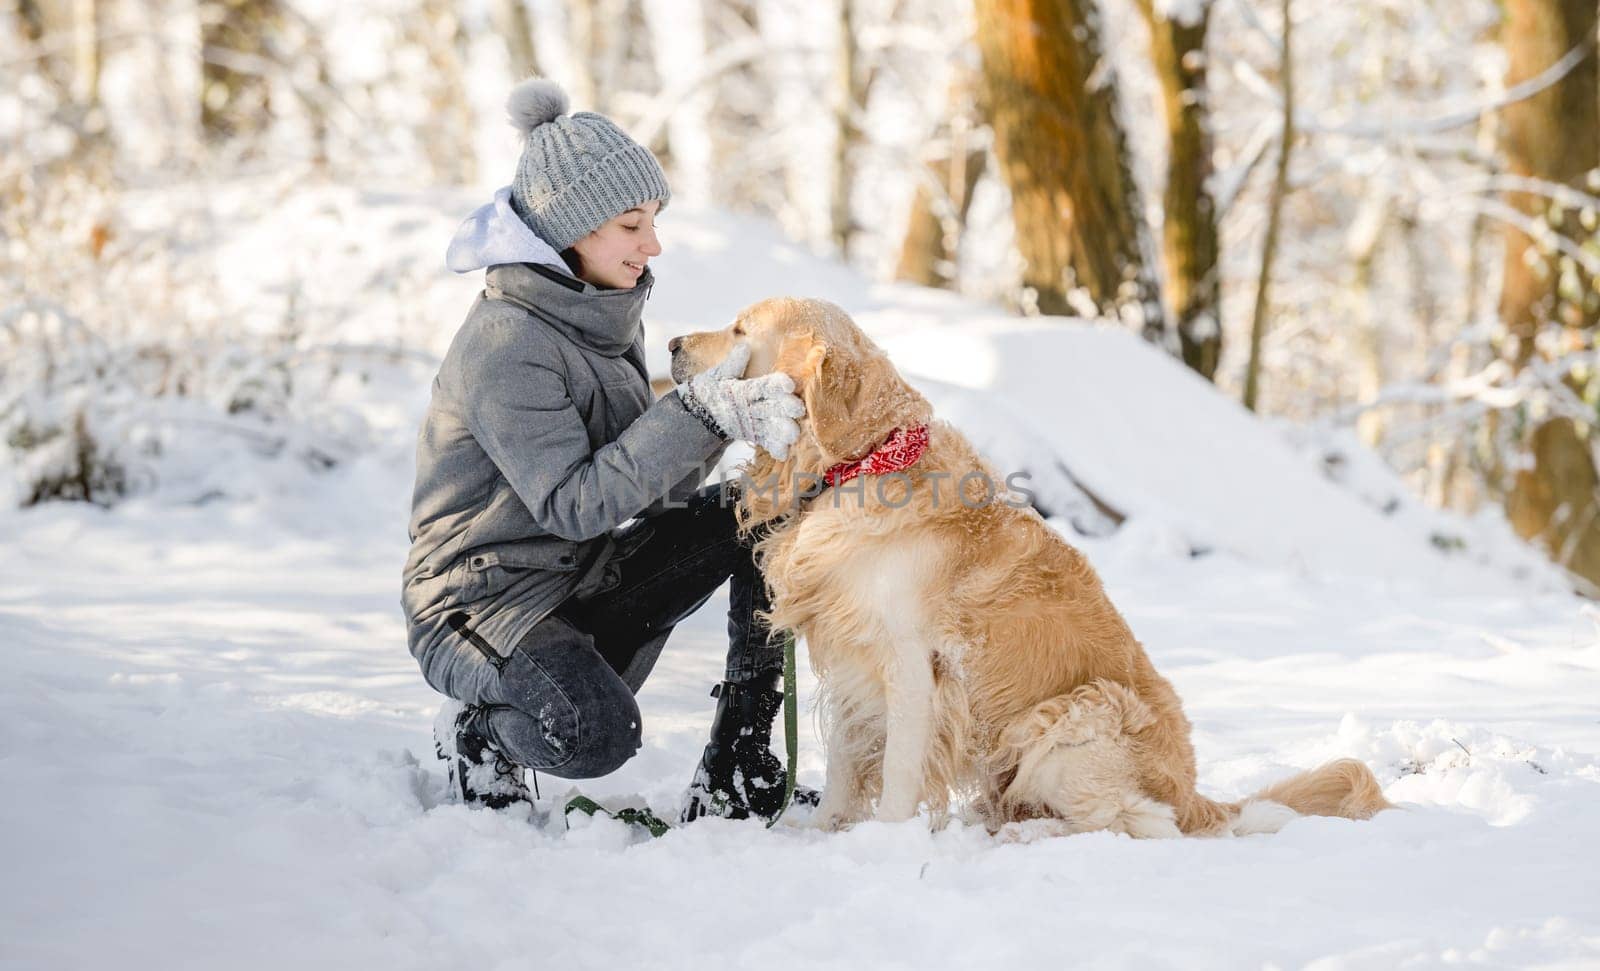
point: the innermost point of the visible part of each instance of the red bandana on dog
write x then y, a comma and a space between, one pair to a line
901, 451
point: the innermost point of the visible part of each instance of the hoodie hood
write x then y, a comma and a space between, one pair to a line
495, 235
527, 271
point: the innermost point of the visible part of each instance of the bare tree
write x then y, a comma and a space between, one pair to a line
1552, 141
1193, 286
944, 195
740, 95
1280, 189
306, 62
440, 34
71, 70
515, 27
586, 41
36, 21
1553, 138
611, 52
235, 87
86, 52
1052, 101
849, 99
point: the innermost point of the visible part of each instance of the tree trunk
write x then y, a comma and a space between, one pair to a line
742, 102
235, 98
583, 43
515, 27
1178, 50
1053, 108
939, 207
635, 68
599, 35
1553, 504
1553, 136
1280, 189
86, 54
1366, 322
36, 21
849, 92
72, 71
938, 218
308, 68
449, 140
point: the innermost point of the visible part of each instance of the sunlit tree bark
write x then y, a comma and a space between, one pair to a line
1553, 137
1193, 288
1061, 151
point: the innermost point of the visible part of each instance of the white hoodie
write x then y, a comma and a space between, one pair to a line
494, 234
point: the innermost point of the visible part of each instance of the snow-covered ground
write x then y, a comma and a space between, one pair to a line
217, 750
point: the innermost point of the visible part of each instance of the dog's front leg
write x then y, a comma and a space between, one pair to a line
841, 790
908, 698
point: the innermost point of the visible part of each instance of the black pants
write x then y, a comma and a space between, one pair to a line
563, 703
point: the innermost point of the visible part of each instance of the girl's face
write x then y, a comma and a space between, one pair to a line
615, 255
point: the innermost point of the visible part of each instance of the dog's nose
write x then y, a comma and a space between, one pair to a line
674, 344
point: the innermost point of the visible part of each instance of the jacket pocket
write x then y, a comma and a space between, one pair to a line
488, 571
625, 544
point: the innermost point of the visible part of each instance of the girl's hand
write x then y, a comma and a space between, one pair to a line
761, 411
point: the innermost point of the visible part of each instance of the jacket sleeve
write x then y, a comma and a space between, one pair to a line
518, 407
690, 484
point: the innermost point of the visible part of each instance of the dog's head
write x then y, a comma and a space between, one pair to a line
854, 398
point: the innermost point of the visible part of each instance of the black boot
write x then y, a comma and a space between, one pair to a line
479, 774
738, 775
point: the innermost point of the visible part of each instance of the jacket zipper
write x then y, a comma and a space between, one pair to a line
458, 623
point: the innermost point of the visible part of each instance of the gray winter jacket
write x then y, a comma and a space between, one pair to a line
540, 439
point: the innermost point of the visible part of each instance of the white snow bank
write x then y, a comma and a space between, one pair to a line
218, 755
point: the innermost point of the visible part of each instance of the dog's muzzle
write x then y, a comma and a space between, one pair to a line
680, 370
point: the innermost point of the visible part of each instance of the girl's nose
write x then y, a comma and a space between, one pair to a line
652, 245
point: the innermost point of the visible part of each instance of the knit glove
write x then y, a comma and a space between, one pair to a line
761, 411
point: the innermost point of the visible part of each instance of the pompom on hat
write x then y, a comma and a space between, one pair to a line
577, 171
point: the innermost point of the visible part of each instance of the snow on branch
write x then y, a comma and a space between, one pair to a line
1448, 119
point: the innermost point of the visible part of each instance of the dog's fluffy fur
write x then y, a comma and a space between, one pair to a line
963, 648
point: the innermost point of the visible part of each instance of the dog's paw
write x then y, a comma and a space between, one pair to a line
832, 824
830, 819
1033, 830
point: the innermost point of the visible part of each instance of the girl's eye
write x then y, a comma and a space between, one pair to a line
632, 229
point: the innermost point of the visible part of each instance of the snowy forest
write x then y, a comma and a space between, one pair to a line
1291, 310
1377, 218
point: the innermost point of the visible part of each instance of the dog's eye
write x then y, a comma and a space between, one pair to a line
738, 330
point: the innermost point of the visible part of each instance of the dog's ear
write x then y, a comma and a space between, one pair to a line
800, 356
854, 400
828, 391
827, 383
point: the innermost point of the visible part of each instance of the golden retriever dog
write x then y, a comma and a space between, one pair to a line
964, 649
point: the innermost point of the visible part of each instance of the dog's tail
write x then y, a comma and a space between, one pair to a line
1344, 788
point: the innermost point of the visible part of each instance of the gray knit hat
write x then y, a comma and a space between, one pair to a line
576, 171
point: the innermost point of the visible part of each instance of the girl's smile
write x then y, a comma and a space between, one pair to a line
616, 254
